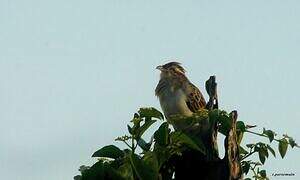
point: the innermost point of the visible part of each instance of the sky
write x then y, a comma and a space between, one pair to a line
72, 73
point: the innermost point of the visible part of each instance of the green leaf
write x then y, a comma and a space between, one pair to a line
97, 171
292, 142
109, 151
129, 129
262, 156
110, 172
256, 148
83, 168
143, 144
282, 147
162, 154
242, 150
240, 126
271, 150
223, 119
269, 133
151, 161
261, 148
125, 170
256, 163
144, 127
189, 141
143, 170
263, 173
136, 115
265, 150
161, 136
136, 120
78, 177
246, 167
250, 145
150, 112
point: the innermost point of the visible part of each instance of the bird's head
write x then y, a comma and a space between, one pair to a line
171, 69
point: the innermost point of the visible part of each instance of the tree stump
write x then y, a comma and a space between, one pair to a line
194, 165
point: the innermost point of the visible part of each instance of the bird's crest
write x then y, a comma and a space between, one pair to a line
175, 65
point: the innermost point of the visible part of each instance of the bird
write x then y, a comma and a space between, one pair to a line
176, 94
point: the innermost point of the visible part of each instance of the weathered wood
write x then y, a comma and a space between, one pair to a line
211, 89
194, 165
232, 158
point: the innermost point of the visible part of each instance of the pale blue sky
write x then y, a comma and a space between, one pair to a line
72, 73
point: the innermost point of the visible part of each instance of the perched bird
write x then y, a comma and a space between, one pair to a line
177, 95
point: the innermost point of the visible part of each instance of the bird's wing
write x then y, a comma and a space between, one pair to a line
195, 99
161, 86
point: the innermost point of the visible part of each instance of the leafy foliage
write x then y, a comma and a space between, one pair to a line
152, 161
263, 150
110, 151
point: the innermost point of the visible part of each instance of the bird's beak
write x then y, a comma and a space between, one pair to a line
159, 68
